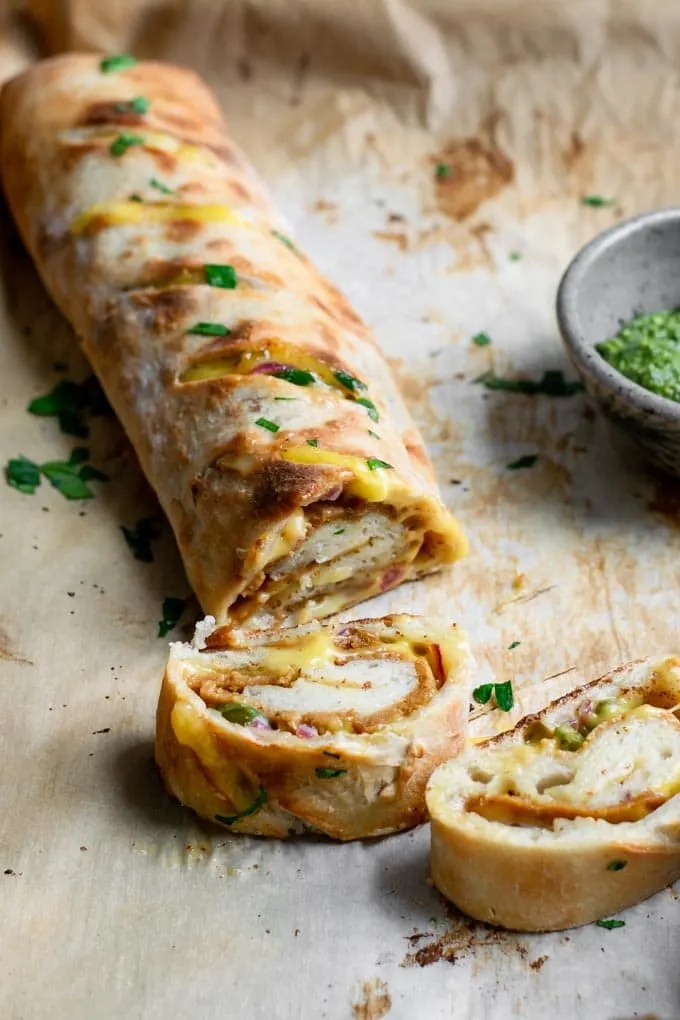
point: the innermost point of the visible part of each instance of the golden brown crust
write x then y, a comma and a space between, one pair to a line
121, 239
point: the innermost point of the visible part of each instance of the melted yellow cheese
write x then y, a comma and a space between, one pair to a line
371, 485
312, 651
124, 213
270, 349
290, 535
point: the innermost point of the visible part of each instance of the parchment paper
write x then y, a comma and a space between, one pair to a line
115, 902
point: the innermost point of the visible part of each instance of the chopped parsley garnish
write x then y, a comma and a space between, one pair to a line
284, 240
616, 865
265, 423
68, 477
296, 376
285, 398
172, 612
239, 714
121, 144
159, 186
69, 401
209, 329
515, 256
611, 923
259, 801
23, 474
374, 435
221, 276
140, 104
503, 694
597, 201
139, 538
523, 462
339, 531
481, 340
513, 644
442, 170
553, 384
329, 773
370, 407
120, 62
312, 442
374, 463
135, 198
350, 382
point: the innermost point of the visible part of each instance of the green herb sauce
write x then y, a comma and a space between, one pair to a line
647, 351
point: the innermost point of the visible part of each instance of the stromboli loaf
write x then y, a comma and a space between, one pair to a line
574, 814
260, 407
333, 728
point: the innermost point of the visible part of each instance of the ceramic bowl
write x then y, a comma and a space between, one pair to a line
631, 269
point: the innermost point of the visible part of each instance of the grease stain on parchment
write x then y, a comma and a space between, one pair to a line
8, 653
473, 171
374, 1001
463, 936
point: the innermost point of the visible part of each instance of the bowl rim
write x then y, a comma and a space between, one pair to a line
569, 320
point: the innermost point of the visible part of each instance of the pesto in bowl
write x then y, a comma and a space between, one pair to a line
647, 351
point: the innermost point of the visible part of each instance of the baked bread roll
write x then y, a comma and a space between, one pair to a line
260, 407
332, 729
570, 817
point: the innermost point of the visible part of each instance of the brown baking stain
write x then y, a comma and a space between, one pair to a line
476, 171
666, 501
574, 151
8, 653
462, 936
538, 962
374, 1001
394, 237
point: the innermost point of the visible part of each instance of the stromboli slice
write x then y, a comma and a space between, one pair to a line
259, 405
334, 728
574, 814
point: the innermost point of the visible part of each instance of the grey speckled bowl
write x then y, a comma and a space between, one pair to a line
631, 268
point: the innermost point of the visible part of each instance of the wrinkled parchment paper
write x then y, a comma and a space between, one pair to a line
115, 901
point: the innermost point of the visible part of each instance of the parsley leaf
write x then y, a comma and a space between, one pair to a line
259, 801
140, 104
159, 186
514, 644
65, 478
284, 240
553, 384
515, 256
23, 474
596, 201
312, 442
616, 865
374, 435
339, 531
121, 144
139, 538
172, 612
523, 462
296, 376
442, 170
68, 401
329, 773
374, 463
503, 694
613, 923
370, 407
120, 62
209, 329
481, 340
223, 276
265, 423
350, 382
483, 693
